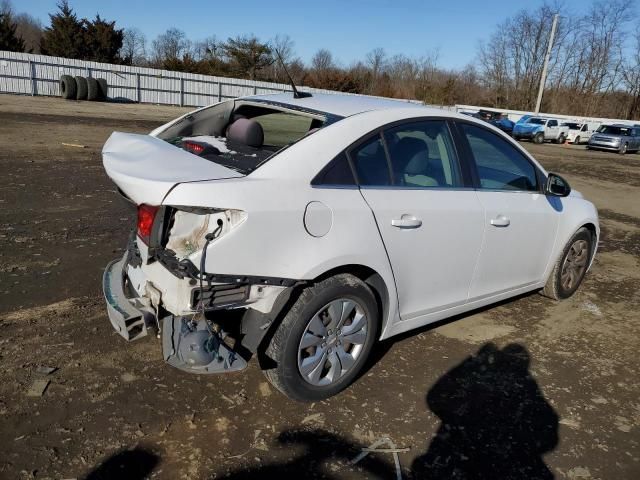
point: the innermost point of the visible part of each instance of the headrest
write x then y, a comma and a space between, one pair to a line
418, 164
246, 131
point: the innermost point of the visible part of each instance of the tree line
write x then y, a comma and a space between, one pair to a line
594, 68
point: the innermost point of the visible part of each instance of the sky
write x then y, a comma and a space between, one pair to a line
348, 28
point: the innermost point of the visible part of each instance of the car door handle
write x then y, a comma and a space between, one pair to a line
406, 221
500, 221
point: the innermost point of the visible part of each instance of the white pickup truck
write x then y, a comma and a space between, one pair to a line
541, 129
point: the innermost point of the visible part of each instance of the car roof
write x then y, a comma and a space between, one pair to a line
340, 104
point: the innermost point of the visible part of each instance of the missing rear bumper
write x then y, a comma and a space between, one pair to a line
195, 349
126, 313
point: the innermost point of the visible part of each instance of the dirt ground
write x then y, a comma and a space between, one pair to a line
530, 388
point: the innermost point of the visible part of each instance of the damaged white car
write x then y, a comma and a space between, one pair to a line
302, 229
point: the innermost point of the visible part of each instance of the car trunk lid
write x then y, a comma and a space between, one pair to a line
146, 168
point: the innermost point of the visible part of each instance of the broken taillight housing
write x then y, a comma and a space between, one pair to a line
146, 217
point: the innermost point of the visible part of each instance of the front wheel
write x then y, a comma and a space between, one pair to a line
324, 340
570, 269
623, 149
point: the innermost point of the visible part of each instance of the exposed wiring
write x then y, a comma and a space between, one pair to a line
209, 237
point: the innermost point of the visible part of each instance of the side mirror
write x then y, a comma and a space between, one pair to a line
557, 186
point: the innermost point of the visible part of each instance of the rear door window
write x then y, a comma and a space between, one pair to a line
422, 155
370, 162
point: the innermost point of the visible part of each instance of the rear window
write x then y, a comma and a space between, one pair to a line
282, 128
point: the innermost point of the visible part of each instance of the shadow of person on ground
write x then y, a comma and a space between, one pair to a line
496, 423
134, 464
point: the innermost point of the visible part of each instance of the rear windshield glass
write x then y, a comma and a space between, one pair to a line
611, 130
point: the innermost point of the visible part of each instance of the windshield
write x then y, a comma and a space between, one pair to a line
572, 126
612, 130
536, 121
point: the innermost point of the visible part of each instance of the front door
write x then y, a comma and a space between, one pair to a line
551, 131
520, 222
431, 226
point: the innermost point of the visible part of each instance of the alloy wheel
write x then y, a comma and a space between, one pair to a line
332, 342
574, 265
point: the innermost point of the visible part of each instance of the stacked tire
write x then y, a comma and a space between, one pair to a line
81, 88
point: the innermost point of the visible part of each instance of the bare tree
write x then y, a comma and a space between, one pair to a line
376, 62
283, 46
322, 60
208, 49
134, 47
6, 8
30, 30
170, 46
631, 77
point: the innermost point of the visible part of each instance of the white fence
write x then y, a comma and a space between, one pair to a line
29, 74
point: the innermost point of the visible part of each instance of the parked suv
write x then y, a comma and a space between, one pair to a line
616, 138
539, 130
301, 230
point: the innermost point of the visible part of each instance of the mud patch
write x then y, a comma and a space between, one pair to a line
475, 329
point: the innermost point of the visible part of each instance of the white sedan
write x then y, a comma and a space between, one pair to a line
302, 229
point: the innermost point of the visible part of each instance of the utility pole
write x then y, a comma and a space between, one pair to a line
546, 62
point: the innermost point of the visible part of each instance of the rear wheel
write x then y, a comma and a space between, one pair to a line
561, 139
324, 340
568, 272
577, 141
538, 138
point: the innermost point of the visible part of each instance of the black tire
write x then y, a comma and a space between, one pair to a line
103, 88
577, 141
538, 138
623, 149
555, 289
561, 139
68, 87
93, 91
283, 348
81, 91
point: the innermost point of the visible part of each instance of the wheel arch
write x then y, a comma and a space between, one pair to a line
373, 279
368, 275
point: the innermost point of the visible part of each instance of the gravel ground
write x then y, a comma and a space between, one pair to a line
528, 388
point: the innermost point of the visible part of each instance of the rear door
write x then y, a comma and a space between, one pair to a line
520, 222
430, 222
